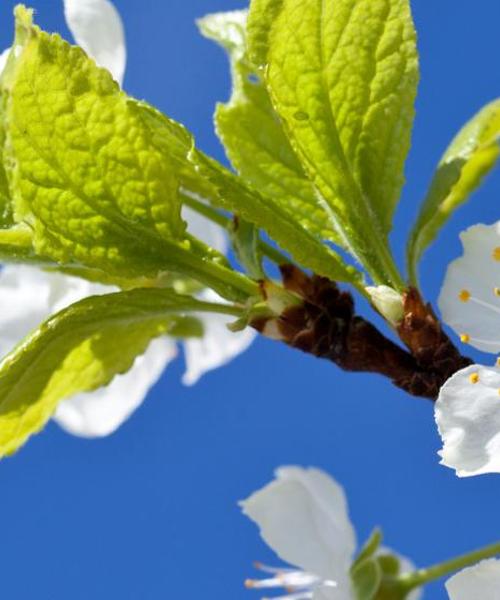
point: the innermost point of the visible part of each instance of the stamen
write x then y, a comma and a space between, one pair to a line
273, 570
498, 362
495, 255
474, 377
484, 304
274, 582
465, 338
496, 291
464, 296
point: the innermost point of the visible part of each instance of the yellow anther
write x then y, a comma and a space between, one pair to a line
474, 377
496, 291
495, 255
464, 296
498, 362
465, 338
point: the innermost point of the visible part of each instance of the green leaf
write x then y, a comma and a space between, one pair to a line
253, 136
305, 248
366, 577
90, 174
343, 76
245, 242
177, 142
80, 349
470, 156
95, 174
370, 546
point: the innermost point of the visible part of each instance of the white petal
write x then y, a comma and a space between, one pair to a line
302, 516
468, 418
205, 230
101, 412
3, 59
218, 345
480, 582
469, 300
97, 27
28, 296
333, 593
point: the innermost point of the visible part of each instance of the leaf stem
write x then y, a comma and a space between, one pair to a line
230, 284
423, 576
190, 199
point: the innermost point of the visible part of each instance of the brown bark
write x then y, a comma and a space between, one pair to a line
326, 325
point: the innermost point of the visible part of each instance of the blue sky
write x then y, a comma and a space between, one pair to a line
151, 512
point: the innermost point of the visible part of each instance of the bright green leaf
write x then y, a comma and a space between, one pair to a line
90, 173
95, 174
343, 77
80, 349
253, 136
470, 156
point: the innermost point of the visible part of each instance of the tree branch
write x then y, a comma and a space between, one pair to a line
326, 325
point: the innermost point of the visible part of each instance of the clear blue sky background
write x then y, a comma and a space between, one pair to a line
151, 512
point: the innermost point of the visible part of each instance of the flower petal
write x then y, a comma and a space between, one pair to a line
97, 27
470, 296
218, 345
480, 581
28, 296
333, 593
468, 418
99, 413
302, 516
205, 230
3, 59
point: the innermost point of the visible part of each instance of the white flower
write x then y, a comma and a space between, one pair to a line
97, 27
468, 408
303, 516
28, 295
480, 582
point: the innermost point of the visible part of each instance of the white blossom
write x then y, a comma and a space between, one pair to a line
468, 407
303, 516
29, 295
480, 582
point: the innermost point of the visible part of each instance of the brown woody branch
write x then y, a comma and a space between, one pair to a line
326, 326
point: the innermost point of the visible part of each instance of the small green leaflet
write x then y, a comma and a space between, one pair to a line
343, 77
366, 578
470, 156
245, 241
253, 136
80, 349
370, 547
305, 248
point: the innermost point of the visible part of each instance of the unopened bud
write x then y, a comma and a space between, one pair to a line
388, 302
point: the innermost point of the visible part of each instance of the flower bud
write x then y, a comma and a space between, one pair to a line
388, 302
